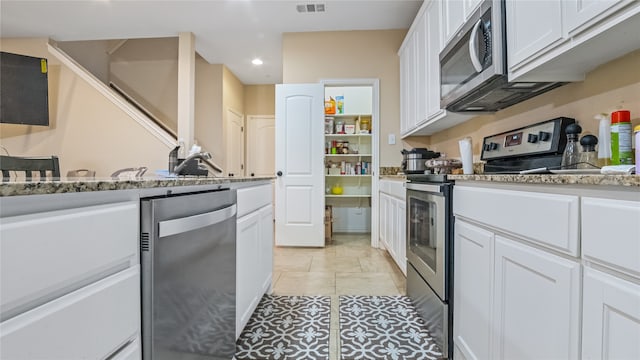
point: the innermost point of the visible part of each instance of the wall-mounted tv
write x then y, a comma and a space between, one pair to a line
23, 90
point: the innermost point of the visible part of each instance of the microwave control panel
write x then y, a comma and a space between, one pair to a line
533, 140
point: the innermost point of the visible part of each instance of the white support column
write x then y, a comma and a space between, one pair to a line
186, 87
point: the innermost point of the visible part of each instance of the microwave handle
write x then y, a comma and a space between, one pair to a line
473, 47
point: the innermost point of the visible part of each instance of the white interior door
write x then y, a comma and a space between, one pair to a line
235, 144
299, 164
261, 145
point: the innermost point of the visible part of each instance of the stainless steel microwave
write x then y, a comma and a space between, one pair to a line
473, 66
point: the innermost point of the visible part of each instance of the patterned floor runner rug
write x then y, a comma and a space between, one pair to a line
383, 327
287, 328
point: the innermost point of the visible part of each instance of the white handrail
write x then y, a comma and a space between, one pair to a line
102, 88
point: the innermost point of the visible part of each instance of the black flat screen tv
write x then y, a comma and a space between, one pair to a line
24, 90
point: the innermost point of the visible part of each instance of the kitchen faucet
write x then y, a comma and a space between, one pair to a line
185, 163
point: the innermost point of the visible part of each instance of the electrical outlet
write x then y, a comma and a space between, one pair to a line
392, 139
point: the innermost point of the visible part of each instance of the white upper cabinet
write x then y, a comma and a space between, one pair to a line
532, 25
551, 40
452, 19
431, 24
581, 12
470, 6
420, 112
422, 79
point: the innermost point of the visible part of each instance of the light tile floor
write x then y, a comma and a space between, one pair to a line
346, 266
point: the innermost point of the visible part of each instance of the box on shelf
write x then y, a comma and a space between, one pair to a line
328, 224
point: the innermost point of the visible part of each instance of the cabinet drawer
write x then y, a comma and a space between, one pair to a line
46, 255
253, 198
90, 323
610, 233
133, 351
547, 219
394, 188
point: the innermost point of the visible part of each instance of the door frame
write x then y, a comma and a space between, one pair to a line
244, 138
375, 119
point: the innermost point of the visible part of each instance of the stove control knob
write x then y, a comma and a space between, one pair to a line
544, 136
532, 138
493, 146
487, 147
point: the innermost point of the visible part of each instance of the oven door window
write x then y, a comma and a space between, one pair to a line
425, 229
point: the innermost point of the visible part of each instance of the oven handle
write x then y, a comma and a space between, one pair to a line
473, 47
424, 187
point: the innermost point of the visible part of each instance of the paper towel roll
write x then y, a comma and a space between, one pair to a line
466, 155
604, 137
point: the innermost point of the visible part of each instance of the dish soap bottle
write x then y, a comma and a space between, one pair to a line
571, 155
589, 155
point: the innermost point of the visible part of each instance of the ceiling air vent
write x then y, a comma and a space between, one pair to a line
310, 8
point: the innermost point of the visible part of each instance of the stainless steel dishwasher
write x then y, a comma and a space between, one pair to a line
188, 256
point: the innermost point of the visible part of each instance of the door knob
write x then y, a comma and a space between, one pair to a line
279, 173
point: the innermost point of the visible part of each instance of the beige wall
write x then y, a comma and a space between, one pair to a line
86, 130
260, 99
92, 55
147, 70
310, 57
208, 109
615, 85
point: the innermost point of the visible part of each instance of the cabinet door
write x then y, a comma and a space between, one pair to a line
432, 87
265, 256
402, 237
536, 303
420, 41
384, 220
532, 25
470, 6
452, 19
392, 228
580, 12
611, 317
473, 272
404, 93
247, 266
412, 83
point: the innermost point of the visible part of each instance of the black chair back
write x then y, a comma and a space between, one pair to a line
30, 165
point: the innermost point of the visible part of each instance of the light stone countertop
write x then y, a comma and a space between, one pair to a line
593, 179
77, 185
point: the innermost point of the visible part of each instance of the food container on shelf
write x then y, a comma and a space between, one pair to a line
339, 127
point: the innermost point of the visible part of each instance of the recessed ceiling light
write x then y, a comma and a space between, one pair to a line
256, 61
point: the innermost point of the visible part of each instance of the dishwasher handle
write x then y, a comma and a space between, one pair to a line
181, 225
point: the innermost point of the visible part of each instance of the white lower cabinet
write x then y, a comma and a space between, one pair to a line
392, 222
90, 323
473, 247
611, 317
529, 285
254, 251
536, 303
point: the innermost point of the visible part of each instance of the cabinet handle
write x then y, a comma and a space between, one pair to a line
279, 173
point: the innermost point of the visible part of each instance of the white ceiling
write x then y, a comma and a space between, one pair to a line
230, 32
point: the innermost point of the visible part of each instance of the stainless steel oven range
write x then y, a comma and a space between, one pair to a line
430, 254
